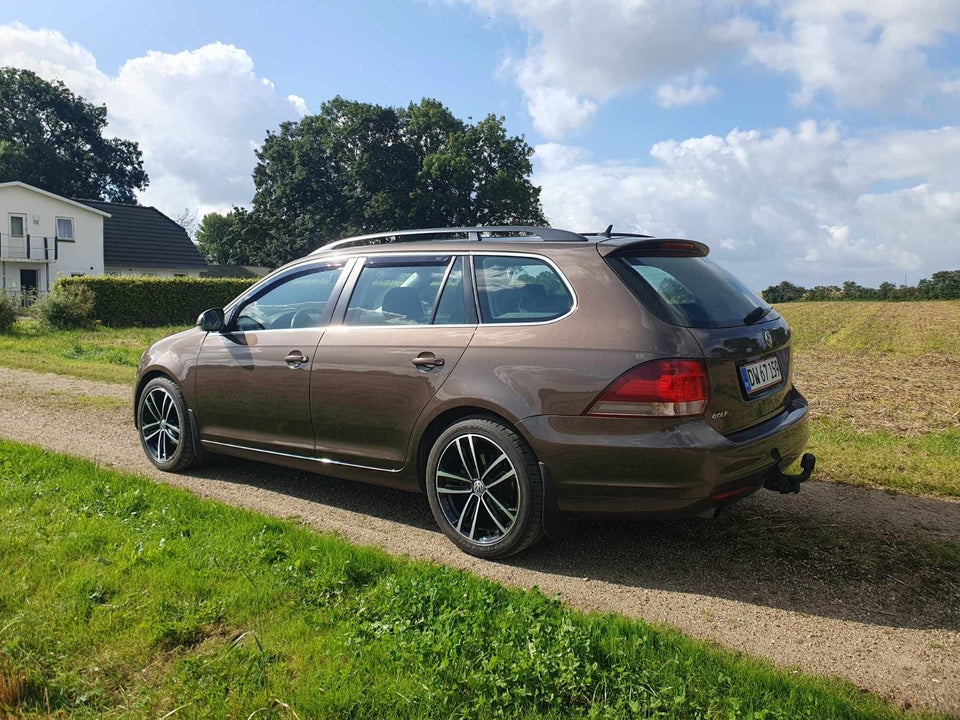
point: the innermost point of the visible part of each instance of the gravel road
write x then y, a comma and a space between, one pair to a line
827, 581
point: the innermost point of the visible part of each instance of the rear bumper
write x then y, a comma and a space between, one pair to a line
635, 467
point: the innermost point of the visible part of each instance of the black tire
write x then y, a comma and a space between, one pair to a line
484, 487
163, 425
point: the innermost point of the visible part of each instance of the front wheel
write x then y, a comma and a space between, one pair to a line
485, 489
164, 426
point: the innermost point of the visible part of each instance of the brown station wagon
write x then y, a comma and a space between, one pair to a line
515, 375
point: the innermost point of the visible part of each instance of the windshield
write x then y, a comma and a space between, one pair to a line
691, 291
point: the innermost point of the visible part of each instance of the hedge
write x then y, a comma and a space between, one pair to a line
122, 301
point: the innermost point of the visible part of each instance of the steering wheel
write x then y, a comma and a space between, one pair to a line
303, 319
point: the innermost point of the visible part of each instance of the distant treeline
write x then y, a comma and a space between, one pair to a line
944, 285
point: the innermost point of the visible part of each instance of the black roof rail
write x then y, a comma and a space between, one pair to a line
546, 234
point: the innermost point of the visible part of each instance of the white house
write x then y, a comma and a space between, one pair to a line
44, 236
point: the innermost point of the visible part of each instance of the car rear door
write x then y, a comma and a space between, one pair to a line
398, 337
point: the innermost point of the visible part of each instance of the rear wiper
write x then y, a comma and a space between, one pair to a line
756, 315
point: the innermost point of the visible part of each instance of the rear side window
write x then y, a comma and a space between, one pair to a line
400, 291
519, 290
690, 291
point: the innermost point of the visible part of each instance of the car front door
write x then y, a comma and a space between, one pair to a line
402, 332
253, 378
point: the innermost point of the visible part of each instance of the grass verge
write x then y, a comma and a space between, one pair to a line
104, 354
123, 598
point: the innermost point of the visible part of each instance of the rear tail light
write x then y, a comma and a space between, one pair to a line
662, 388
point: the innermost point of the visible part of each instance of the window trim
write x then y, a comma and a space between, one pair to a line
23, 217
522, 323
73, 233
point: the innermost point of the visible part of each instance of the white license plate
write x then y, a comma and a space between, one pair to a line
761, 374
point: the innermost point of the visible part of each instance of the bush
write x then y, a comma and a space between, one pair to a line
67, 307
7, 314
152, 302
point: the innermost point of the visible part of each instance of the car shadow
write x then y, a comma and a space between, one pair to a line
767, 550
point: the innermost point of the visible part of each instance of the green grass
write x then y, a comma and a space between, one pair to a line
907, 329
928, 464
105, 354
124, 598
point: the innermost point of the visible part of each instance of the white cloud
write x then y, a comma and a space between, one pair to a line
197, 115
584, 53
790, 204
864, 53
679, 95
854, 53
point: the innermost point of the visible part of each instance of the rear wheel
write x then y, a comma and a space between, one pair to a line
164, 424
485, 489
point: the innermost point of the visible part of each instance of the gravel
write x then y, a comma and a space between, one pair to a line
782, 577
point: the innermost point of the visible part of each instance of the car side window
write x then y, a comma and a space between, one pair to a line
519, 290
397, 291
297, 301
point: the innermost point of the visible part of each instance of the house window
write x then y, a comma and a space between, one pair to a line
65, 229
18, 224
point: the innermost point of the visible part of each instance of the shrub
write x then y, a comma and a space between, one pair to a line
150, 302
7, 313
67, 307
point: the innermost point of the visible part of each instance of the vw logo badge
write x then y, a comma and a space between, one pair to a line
767, 338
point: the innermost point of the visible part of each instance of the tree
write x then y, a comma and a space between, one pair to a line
187, 219
357, 167
784, 292
213, 239
943, 285
232, 239
53, 139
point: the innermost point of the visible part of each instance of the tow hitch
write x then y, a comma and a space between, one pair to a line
784, 484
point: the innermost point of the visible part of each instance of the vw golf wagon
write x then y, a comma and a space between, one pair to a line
517, 376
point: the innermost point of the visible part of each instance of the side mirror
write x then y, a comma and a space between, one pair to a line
211, 320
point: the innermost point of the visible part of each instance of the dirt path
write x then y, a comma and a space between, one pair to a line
837, 580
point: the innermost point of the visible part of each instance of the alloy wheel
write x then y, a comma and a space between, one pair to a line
478, 489
161, 426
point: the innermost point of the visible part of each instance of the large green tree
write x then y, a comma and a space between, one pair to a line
236, 238
53, 139
357, 167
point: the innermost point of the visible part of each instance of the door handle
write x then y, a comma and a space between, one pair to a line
427, 360
296, 359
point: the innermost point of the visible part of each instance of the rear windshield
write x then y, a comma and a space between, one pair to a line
691, 291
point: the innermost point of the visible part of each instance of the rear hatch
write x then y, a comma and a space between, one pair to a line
745, 342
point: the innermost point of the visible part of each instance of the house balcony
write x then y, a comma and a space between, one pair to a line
29, 248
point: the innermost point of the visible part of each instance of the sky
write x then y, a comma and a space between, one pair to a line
815, 141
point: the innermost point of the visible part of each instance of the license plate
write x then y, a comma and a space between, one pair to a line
759, 375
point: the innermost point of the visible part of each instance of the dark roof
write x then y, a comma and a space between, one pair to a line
138, 236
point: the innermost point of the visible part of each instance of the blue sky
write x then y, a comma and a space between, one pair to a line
810, 140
